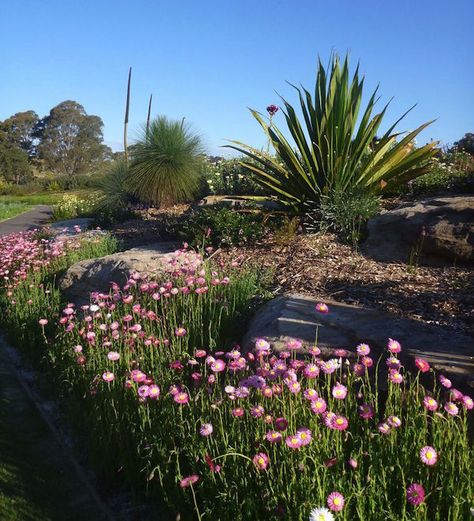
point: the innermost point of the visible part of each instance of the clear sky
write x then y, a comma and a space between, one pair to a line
209, 60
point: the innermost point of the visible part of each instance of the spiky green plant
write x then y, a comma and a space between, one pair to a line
331, 149
114, 194
166, 163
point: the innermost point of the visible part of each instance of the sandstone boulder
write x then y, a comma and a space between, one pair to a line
442, 228
92, 275
345, 326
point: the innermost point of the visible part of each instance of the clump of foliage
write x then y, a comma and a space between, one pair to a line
230, 177
332, 148
465, 144
166, 164
343, 213
114, 193
222, 227
72, 205
451, 172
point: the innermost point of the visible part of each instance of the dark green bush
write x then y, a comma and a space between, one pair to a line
109, 216
222, 227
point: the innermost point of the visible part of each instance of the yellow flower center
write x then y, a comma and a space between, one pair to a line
429, 455
337, 501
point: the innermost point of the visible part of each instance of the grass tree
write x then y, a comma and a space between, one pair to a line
166, 163
333, 147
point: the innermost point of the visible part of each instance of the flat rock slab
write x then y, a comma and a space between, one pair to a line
96, 275
69, 226
345, 326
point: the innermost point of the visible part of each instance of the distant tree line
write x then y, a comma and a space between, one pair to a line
66, 142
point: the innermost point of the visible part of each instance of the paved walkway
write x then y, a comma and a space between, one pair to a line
39, 216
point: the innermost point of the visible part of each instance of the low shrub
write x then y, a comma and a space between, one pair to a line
229, 177
219, 226
72, 205
344, 213
452, 173
76, 182
19, 190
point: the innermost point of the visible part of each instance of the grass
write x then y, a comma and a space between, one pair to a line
48, 198
10, 209
27, 477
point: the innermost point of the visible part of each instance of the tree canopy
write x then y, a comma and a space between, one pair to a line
70, 140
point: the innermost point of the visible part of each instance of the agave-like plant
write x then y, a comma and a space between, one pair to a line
166, 163
332, 149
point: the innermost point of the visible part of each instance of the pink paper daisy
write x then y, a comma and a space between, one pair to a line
422, 365
339, 391
261, 461
428, 455
430, 403
273, 436
394, 346
322, 308
451, 408
335, 501
415, 494
318, 406
339, 423
294, 442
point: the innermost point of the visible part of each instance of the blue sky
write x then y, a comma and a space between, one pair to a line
210, 60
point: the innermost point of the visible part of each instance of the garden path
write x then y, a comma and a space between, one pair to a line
37, 480
38, 216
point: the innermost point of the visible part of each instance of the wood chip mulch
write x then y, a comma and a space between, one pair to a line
320, 266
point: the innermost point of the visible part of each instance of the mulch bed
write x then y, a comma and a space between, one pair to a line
320, 266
